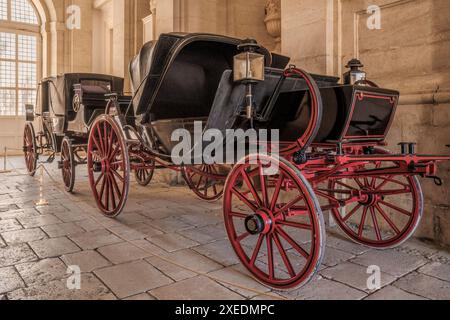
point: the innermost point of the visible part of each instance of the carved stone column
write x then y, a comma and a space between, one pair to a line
273, 21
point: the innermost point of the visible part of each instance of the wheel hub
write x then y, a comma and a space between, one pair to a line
259, 223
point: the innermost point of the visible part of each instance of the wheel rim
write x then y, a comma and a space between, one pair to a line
29, 143
109, 166
199, 181
275, 228
68, 166
388, 213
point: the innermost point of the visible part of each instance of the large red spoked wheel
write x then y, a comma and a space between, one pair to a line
389, 211
274, 221
67, 164
108, 166
30, 149
206, 181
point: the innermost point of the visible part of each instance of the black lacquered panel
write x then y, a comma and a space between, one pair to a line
371, 115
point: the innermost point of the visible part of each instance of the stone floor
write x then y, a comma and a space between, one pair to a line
169, 245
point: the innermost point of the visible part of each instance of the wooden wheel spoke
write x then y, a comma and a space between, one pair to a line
348, 216
244, 199
375, 224
363, 221
270, 257
284, 256
387, 219
243, 237
277, 191
257, 249
287, 206
292, 242
238, 215
116, 186
263, 182
297, 225
251, 187
394, 207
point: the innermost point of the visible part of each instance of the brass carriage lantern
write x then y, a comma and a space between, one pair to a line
248, 69
354, 75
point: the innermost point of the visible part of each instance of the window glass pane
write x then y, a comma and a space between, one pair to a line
7, 74
22, 11
27, 75
7, 45
26, 97
7, 102
3, 9
27, 48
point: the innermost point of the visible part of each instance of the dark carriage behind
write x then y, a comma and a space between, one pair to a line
66, 107
331, 155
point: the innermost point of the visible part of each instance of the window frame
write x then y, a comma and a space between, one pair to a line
21, 28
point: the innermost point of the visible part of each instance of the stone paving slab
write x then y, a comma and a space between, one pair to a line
23, 236
12, 255
172, 271
134, 278
219, 251
38, 221
198, 288
172, 242
56, 247
43, 271
354, 275
87, 261
10, 280
425, 286
95, 239
393, 262
437, 270
123, 252
9, 225
91, 289
64, 229
393, 293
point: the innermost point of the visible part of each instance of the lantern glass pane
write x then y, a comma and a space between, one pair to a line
248, 66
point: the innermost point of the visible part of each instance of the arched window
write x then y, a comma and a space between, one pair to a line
19, 56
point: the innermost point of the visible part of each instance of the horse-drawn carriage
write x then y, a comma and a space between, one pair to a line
67, 105
330, 155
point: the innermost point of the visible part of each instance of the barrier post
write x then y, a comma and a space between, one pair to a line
5, 155
42, 202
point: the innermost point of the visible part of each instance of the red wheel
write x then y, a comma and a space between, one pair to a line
389, 212
108, 166
274, 222
67, 165
201, 181
30, 149
144, 176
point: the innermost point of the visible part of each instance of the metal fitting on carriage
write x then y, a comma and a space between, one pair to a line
300, 158
408, 148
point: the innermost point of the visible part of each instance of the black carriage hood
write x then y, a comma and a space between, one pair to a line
149, 69
61, 91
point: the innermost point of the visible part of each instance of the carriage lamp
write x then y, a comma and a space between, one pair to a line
248, 69
58, 124
354, 74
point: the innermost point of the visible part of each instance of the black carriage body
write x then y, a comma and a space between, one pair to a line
182, 78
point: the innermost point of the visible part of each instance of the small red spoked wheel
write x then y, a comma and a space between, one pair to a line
389, 211
274, 221
108, 166
67, 164
30, 149
144, 175
206, 181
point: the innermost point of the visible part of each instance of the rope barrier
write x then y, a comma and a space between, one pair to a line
57, 185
